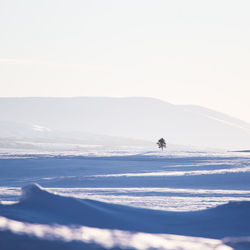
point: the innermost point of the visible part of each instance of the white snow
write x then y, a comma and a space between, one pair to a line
180, 173
174, 200
107, 238
40, 128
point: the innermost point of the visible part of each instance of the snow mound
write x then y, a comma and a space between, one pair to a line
39, 206
45, 220
31, 190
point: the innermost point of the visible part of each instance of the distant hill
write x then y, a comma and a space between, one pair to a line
31, 136
140, 118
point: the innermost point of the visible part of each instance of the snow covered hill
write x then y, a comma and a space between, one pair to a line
28, 136
19, 130
141, 118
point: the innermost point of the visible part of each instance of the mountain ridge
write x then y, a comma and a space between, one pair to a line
131, 117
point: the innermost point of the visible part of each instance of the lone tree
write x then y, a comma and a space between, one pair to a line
161, 143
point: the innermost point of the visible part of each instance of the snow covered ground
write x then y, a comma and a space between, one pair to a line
125, 199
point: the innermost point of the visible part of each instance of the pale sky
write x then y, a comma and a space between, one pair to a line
181, 51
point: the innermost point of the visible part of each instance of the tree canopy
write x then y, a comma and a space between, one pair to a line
161, 143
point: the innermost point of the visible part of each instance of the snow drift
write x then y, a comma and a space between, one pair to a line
39, 206
42, 219
52, 219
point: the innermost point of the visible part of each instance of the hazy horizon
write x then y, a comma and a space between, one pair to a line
193, 52
127, 97
138, 118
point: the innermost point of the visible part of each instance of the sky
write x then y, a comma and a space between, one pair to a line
183, 52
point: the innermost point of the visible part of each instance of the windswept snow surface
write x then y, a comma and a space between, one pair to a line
36, 236
121, 200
